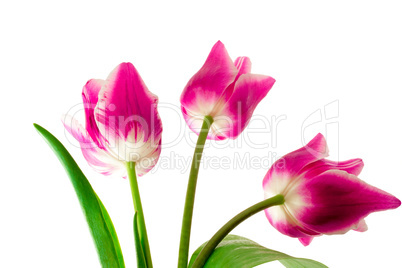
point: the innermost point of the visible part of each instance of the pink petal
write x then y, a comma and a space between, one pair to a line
126, 106
249, 90
148, 162
284, 222
76, 130
243, 64
306, 240
338, 201
361, 226
205, 88
290, 165
195, 123
353, 166
90, 98
283, 174
99, 159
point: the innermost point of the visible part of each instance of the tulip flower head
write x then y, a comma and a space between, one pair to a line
224, 90
321, 196
122, 123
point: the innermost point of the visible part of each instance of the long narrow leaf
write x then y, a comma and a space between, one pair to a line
110, 226
99, 222
239, 252
141, 262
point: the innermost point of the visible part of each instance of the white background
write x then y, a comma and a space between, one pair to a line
347, 52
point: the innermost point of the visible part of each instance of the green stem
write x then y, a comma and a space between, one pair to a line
230, 225
140, 214
190, 195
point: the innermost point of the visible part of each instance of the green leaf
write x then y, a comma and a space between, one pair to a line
141, 262
301, 263
99, 222
239, 252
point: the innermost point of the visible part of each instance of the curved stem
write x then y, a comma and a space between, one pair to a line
230, 225
140, 214
190, 195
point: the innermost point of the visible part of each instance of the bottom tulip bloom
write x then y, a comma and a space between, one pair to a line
321, 196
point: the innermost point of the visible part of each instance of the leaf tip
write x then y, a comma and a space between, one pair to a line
38, 127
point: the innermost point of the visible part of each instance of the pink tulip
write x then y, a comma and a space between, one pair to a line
122, 123
321, 196
224, 90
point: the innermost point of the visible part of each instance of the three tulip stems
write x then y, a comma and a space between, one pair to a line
143, 237
188, 209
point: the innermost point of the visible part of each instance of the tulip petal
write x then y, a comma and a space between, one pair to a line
90, 94
288, 167
148, 162
361, 226
284, 222
195, 121
353, 166
283, 178
338, 201
99, 159
127, 113
243, 64
306, 240
248, 91
281, 217
206, 87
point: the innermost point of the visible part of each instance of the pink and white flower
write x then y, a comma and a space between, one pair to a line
321, 196
122, 123
224, 90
